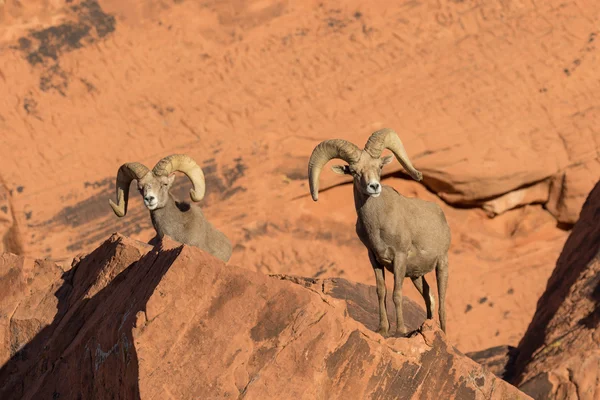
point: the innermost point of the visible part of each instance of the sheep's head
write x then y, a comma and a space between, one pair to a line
155, 190
154, 185
364, 165
366, 173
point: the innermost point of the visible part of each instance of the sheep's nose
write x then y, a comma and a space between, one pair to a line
374, 186
149, 199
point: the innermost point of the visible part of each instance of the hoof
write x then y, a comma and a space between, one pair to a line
402, 334
414, 333
383, 332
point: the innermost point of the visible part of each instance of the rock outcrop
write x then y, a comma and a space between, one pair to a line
559, 356
129, 321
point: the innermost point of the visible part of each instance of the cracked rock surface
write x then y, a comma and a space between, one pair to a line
559, 356
130, 321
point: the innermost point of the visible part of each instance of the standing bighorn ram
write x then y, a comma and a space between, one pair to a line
181, 221
408, 236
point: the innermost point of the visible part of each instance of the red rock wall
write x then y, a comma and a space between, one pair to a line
559, 356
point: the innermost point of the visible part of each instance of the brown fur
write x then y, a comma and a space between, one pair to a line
407, 236
182, 221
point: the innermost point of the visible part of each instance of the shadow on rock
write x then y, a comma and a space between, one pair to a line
361, 301
88, 350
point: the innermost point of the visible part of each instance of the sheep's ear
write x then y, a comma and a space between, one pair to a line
341, 169
171, 178
387, 159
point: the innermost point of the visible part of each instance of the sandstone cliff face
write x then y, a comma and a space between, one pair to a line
91, 84
559, 356
129, 321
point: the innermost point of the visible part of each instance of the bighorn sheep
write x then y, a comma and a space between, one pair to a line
181, 221
408, 236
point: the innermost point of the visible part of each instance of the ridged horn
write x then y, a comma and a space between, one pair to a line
388, 139
185, 164
127, 173
325, 151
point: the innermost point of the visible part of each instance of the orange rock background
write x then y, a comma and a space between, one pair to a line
496, 102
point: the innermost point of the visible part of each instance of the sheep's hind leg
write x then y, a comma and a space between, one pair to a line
423, 288
441, 274
399, 275
384, 324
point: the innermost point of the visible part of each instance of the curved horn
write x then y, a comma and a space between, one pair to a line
388, 139
325, 151
127, 173
185, 164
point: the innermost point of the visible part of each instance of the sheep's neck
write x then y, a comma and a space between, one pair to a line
360, 199
161, 216
371, 210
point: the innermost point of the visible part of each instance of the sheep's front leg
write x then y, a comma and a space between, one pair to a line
384, 324
399, 274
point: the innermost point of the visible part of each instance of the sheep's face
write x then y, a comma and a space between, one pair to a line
155, 190
366, 173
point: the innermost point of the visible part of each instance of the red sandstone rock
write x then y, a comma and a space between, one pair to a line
27, 303
174, 322
559, 356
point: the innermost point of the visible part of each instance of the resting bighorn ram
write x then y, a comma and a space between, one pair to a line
408, 236
181, 221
